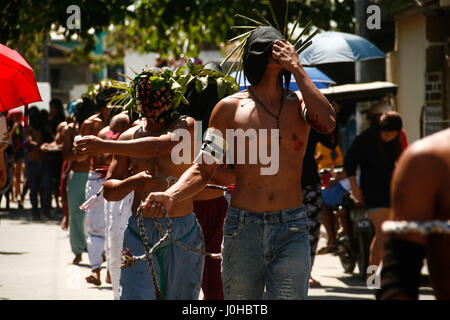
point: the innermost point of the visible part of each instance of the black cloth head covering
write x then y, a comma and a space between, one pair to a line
257, 50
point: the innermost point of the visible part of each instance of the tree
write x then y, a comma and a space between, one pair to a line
25, 25
163, 26
173, 26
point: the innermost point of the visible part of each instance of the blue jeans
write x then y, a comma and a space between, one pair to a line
269, 250
39, 176
179, 272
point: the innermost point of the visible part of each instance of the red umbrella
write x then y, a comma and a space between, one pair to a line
17, 82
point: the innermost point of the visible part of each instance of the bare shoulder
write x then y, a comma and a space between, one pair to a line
130, 133
184, 122
427, 161
430, 150
102, 132
61, 126
226, 107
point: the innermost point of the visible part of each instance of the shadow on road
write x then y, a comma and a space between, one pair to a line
25, 216
11, 253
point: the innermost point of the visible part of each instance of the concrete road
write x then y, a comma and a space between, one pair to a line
35, 264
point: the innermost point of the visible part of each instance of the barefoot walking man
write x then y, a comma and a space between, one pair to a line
265, 231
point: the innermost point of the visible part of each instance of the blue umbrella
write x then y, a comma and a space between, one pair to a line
320, 79
331, 46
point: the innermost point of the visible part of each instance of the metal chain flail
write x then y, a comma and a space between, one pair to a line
406, 227
128, 259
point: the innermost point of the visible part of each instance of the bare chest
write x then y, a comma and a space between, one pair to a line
287, 129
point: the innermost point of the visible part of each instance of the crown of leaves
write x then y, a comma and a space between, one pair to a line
259, 21
158, 77
201, 77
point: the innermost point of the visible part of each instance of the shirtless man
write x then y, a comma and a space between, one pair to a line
419, 192
96, 214
77, 178
116, 216
37, 167
179, 271
265, 231
210, 205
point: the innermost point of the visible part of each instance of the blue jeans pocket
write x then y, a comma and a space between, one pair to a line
298, 226
231, 226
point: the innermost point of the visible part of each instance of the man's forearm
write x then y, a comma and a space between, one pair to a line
191, 182
322, 116
148, 147
116, 190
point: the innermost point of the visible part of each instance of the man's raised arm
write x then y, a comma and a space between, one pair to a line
320, 114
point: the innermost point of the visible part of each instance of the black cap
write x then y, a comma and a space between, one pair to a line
257, 50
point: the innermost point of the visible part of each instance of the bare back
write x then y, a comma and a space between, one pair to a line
92, 126
68, 134
420, 191
255, 191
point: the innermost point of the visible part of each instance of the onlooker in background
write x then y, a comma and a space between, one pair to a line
54, 157
5, 176
328, 157
375, 151
57, 115
333, 195
374, 113
311, 186
15, 117
77, 178
37, 167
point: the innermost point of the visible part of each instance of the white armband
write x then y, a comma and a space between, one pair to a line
304, 112
214, 145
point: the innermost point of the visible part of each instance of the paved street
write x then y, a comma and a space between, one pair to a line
35, 265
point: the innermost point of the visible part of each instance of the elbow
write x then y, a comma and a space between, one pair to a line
108, 192
325, 127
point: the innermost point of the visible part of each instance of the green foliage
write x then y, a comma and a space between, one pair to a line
169, 27
175, 27
201, 78
25, 25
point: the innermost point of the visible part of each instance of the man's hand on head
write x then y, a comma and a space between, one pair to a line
285, 53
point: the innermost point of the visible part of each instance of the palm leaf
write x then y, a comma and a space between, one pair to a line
241, 44
274, 17
304, 47
286, 18
295, 25
310, 37
262, 17
243, 27
250, 19
240, 36
307, 26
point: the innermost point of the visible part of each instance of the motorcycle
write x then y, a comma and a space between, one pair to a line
354, 230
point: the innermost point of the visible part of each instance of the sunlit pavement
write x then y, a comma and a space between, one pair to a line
35, 264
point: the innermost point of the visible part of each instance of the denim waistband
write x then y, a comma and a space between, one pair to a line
95, 175
282, 216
